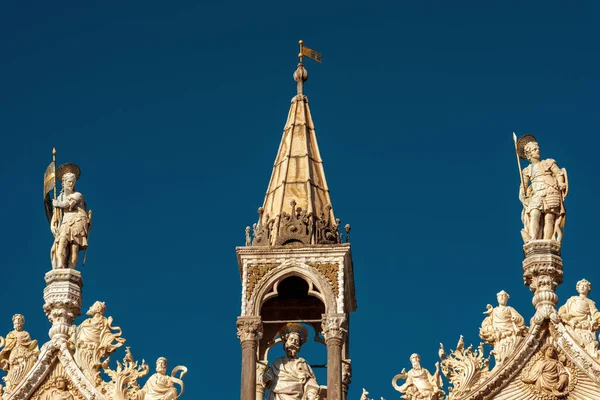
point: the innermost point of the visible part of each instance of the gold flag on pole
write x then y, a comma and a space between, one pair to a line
310, 53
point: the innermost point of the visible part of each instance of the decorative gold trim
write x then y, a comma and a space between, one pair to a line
330, 272
255, 274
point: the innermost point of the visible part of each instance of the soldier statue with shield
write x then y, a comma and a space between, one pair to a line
544, 187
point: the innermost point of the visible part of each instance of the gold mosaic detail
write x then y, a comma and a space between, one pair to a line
330, 272
255, 274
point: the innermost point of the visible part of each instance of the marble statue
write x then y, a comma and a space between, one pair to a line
70, 222
582, 318
420, 384
59, 391
161, 386
548, 374
502, 328
542, 193
94, 340
290, 377
19, 353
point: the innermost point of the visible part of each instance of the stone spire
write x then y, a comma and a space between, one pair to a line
297, 207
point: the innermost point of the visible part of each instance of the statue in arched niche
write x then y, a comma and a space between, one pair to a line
290, 377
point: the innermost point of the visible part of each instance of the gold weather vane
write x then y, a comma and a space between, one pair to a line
310, 53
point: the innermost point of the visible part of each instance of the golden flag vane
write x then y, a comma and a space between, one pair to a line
310, 53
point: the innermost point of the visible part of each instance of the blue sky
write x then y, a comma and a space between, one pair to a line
174, 112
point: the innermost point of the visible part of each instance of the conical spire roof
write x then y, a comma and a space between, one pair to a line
297, 207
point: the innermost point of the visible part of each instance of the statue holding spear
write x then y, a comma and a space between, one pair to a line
544, 186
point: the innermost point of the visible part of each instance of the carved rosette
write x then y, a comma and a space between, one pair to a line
249, 329
335, 327
543, 272
62, 299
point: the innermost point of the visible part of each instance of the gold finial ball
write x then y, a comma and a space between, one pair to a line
300, 42
299, 54
54, 151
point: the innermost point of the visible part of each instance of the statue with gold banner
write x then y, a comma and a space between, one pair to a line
67, 214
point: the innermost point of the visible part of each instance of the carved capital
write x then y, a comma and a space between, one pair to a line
335, 327
249, 329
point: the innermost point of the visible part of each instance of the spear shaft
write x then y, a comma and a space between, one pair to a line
519, 164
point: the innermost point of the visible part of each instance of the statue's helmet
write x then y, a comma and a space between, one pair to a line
522, 145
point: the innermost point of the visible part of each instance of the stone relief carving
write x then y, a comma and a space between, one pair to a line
464, 368
58, 390
549, 375
70, 222
420, 384
582, 318
503, 328
161, 386
18, 355
95, 340
299, 227
544, 187
290, 377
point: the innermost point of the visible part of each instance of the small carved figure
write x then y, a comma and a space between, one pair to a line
290, 377
19, 353
70, 222
59, 391
548, 374
94, 341
542, 193
582, 318
502, 328
420, 384
161, 386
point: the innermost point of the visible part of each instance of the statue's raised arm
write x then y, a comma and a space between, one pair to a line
544, 187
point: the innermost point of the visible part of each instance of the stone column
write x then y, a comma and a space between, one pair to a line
62, 300
543, 272
334, 331
249, 331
